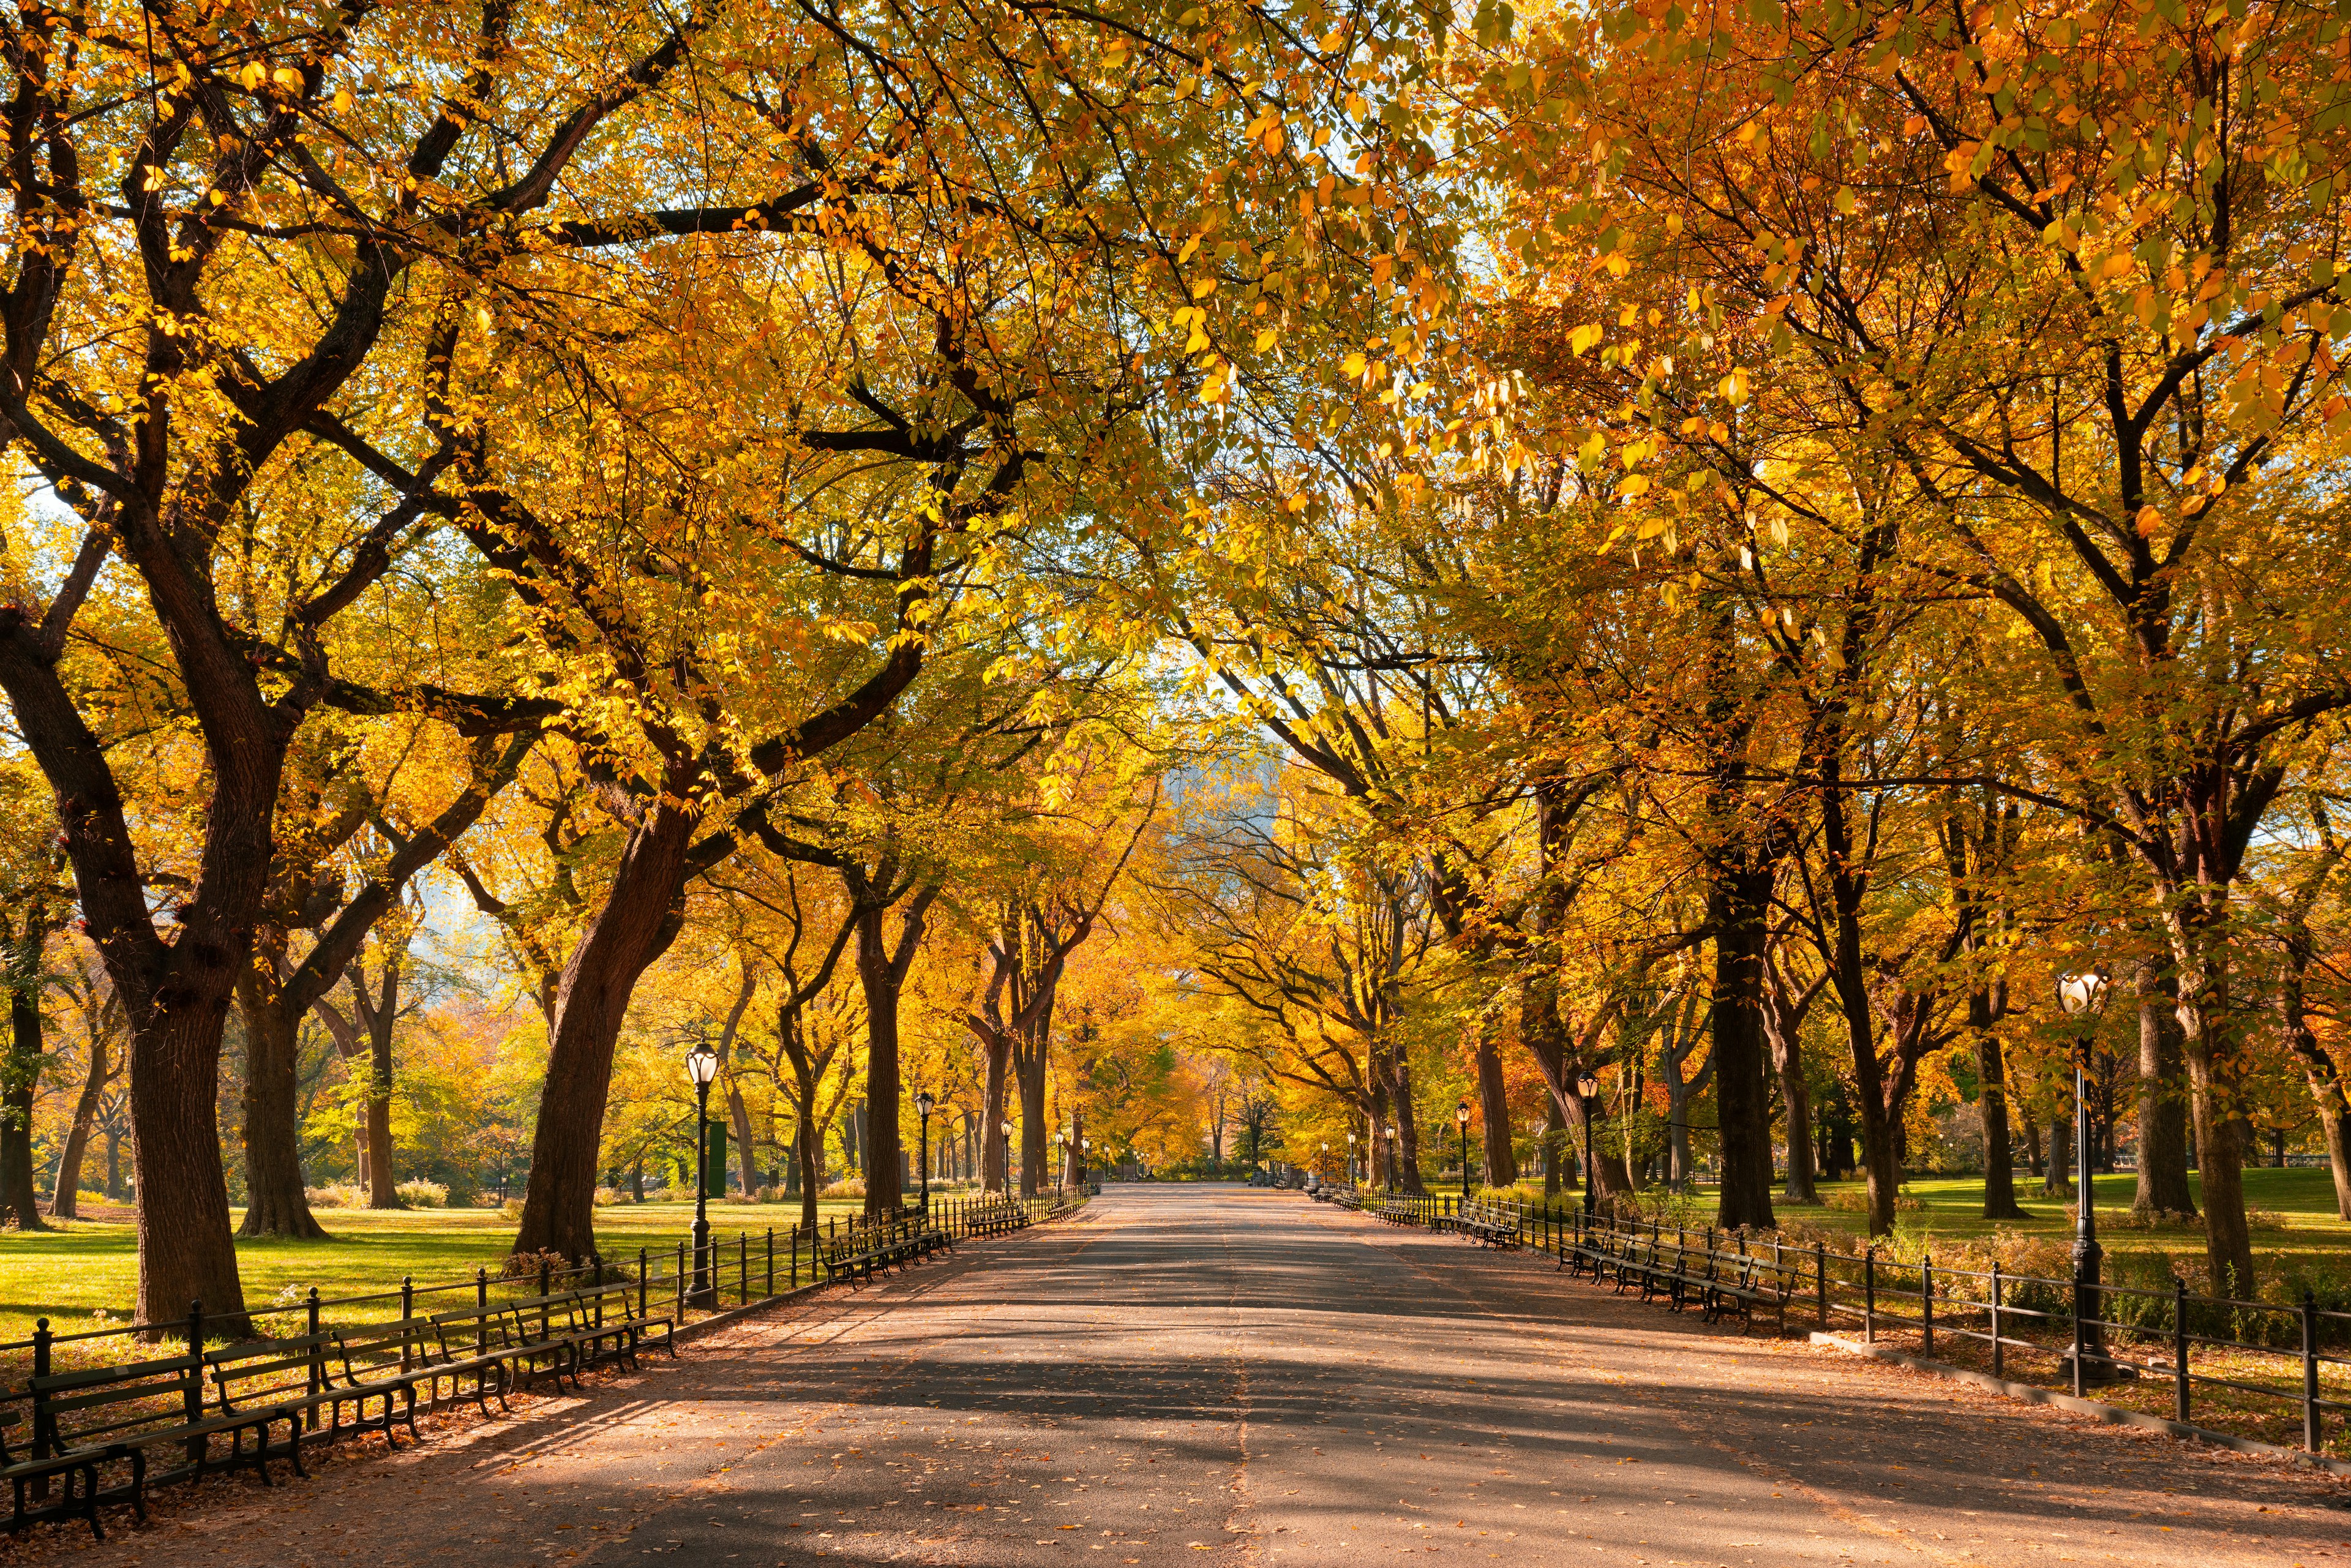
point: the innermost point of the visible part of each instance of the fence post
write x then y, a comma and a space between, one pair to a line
2078, 1303
482, 1305
1869, 1296
771, 1259
2309, 1416
795, 1250
1821, 1279
644, 1281
544, 1285
2179, 1348
316, 1370
743, 1265
191, 1391
596, 1274
1926, 1303
679, 1272
407, 1315
1998, 1359
42, 1419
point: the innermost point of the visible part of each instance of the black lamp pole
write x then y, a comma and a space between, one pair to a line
702, 1065
2084, 997
1585, 1088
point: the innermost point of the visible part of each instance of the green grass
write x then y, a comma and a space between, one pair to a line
2293, 1213
72, 1274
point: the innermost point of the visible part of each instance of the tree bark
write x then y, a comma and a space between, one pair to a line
2000, 1159
2054, 1180
993, 1172
1783, 1022
275, 1202
1738, 904
2162, 1100
19, 1195
635, 927
64, 1193
1494, 1111
1407, 1124
378, 1015
881, 970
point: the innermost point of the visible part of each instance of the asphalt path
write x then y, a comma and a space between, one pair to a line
1183, 1370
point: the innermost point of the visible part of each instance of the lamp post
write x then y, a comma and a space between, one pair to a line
1060, 1159
1351, 1156
2083, 997
1396, 1156
1322, 1164
701, 1066
923, 1103
1461, 1118
1085, 1161
1587, 1085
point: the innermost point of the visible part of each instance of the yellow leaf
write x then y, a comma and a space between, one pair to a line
1267, 338
1203, 289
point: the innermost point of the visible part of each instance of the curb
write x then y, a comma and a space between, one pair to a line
2113, 1414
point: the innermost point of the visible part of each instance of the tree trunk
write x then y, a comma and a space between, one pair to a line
19, 1195
636, 924
2227, 1240
275, 1203
2031, 1132
1738, 904
2000, 1159
2162, 1103
378, 1015
1494, 1110
64, 1193
739, 1115
2055, 1181
1555, 1138
1408, 1129
993, 1155
187, 1253
881, 1076
1033, 1126
1796, 1098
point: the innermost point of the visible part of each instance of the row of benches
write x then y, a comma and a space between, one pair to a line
94, 1428
1680, 1272
1719, 1282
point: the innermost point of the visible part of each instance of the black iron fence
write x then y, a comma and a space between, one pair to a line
670, 1280
2243, 1354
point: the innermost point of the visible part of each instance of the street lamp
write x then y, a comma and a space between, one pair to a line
923, 1103
1085, 1160
1587, 1084
1461, 1117
1060, 1158
1322, 1164
701, 1066
2083, 996
1396, 1156
1005, 1127
1351, 1156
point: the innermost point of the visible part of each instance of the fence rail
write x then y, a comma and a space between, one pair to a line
2292, 1358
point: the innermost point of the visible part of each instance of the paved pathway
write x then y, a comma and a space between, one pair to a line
1185, 1369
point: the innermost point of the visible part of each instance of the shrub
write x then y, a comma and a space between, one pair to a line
336, 1195
854, 1187
418, 1193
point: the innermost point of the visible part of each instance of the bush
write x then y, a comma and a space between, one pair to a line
606, 1197
419, 1193
336, 1195
854, 1187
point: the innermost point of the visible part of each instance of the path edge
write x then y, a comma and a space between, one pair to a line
2114, 1414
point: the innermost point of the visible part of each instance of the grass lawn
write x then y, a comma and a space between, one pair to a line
70, 1274
2293, 1210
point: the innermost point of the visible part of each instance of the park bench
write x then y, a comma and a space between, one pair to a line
1490, 1225
294, 1375
856, 1250
114, 1415
996, 1217
29, 1478
564, 1328
622, 1295
477, 1341
1745, 1284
